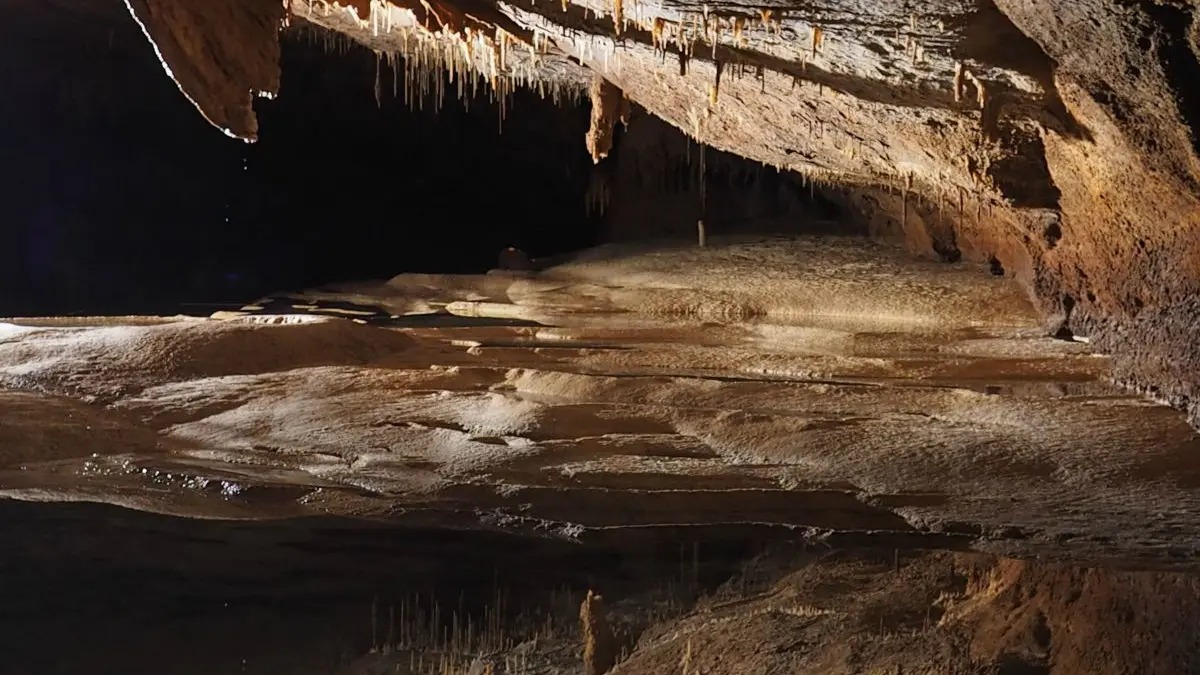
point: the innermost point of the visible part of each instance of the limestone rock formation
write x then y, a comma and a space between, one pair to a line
606, 108
1056, 140
221, 54
599, 654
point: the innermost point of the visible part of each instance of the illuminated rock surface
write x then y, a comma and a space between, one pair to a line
824, 388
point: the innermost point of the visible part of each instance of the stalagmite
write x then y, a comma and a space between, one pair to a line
599, 653
606, 108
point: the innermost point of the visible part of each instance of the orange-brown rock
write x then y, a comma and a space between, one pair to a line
221, 53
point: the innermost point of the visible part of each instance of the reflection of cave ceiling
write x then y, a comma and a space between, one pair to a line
1055, 138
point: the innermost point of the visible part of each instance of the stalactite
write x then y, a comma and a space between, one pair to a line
703, 178
980, 89
606, 103
714, 91
395, 74
598, 195
904, 201
378, 81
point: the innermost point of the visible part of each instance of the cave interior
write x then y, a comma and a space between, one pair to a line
850, 337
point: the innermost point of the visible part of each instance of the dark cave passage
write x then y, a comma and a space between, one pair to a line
121, 199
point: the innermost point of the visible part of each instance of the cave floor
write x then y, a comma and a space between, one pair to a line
821, 443
825, 388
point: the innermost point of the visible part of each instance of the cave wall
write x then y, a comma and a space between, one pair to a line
1129, 253
1116, 257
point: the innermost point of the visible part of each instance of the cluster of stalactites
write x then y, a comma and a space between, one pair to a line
469, 65
709, 28
444, 51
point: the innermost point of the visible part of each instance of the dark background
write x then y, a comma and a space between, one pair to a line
118, 196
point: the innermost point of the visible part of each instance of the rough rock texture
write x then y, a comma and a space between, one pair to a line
606, 108
940, 613
221, 54
1077, 620
1057, 140
226, 594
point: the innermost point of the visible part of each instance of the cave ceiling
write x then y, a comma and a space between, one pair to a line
950, 95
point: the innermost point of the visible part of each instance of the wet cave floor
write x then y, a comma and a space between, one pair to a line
767, 455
